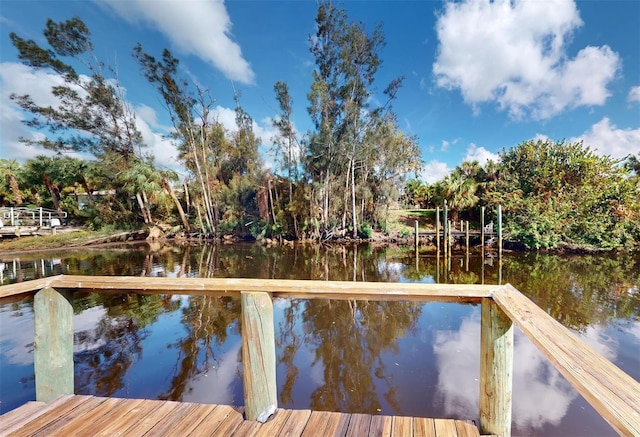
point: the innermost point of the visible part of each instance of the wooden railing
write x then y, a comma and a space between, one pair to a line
26, 216
612, 393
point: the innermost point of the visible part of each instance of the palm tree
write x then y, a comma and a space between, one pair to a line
8, 171
459, 192
46, 170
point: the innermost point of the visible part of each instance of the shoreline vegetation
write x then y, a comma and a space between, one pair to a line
401, 232
340, 180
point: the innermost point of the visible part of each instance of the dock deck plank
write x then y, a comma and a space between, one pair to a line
90, 416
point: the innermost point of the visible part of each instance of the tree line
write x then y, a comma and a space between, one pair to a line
334, 181
555, 195
339, 179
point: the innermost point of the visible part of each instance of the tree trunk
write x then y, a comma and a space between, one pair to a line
273, 212
54, 197
142, 208
353, 198
15, 189
88, 190
146, 206
172, 194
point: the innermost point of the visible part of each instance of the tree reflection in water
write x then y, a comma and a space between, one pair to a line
353, 356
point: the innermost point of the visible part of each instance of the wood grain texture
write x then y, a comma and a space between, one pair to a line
258, 356
53, 344
306, 289
611, 392
90, 416
496, 369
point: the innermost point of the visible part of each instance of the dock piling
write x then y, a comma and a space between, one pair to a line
496, 369
53, 344
258, 356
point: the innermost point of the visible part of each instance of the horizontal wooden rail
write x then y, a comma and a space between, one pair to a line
458, 293
610, 391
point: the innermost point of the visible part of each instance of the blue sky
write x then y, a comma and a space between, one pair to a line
480, 76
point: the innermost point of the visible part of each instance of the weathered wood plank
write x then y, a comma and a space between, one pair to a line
59, 409
445, 427
146, 422
233, 420
273, 426
20, 415
423, 427
96, 416
187, 424
295, 423
466, 429
6, 428
382, 426
53, 344
110, 414
316, 424
26, 286
213, 421
359, 425
611, 392
402, 425
78, 423
258, 356
133, 414
496, 369
59, 422
168, 422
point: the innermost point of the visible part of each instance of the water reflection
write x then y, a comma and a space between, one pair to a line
355, 356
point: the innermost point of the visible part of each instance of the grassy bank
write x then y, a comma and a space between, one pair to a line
66, 238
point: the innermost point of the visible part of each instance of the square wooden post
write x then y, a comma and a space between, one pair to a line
53, 338
258, 356
496, 370
438, 228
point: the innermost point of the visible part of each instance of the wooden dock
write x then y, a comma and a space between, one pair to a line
95, 416
611, 392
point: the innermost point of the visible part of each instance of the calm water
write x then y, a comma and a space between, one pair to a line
367, 357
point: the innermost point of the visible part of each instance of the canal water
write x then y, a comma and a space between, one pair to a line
396, 358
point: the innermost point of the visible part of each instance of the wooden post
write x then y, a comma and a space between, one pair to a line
496, 370
258, 356
40, 216
11, 216
445, 238
415, 231
467, 236
438, 228
482, 226
53, 338
500, 230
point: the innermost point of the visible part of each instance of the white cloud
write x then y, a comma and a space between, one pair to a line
606, 139
514, 53
634, 94
541, 137
19, 79
480, 154
434, 171
541, 395
199, 27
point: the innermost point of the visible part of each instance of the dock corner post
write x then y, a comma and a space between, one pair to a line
482, 226
258, 356
53, 350
499, 230
496, 370
438, 228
